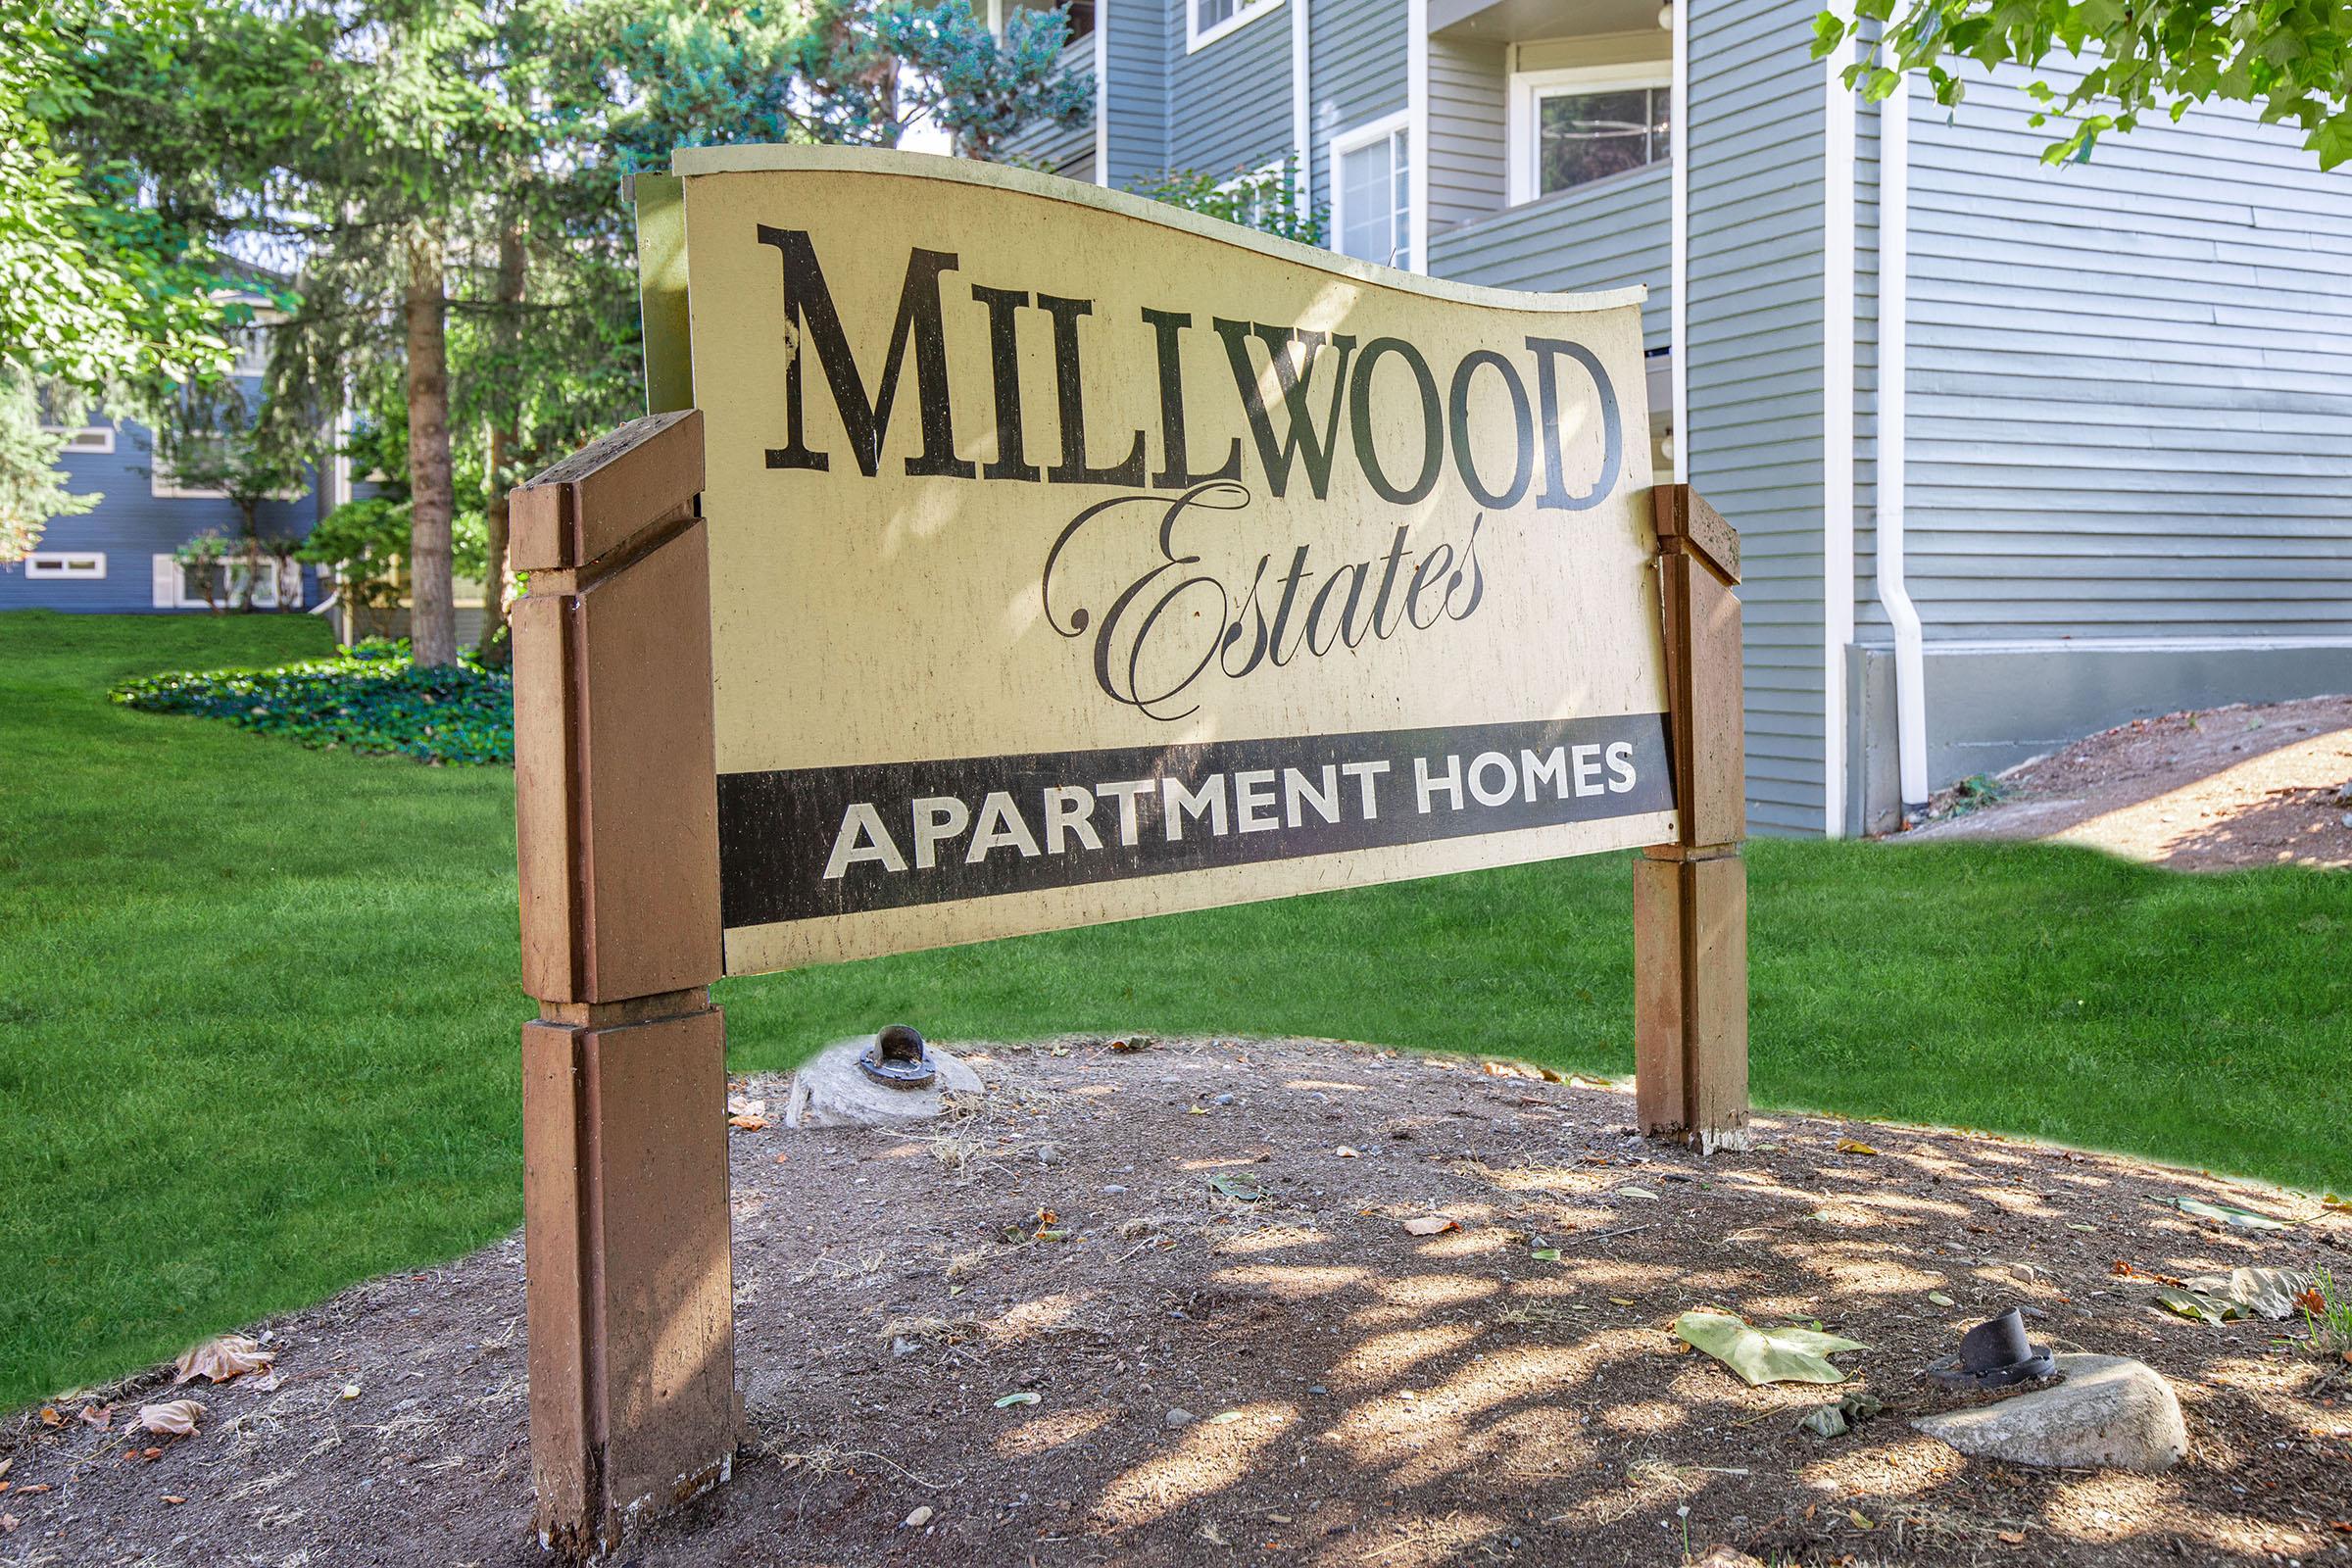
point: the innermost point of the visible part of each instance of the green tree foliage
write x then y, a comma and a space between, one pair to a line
2290, 59
32, 488
101, 294
451, 177
1267, 200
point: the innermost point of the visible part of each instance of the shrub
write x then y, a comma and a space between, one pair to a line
367, 699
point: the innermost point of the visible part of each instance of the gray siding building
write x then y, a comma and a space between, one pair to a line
2016, 452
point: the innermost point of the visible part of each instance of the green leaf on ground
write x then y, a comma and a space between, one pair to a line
2189, 1305
2244, 1219
1241, 1187
1765, 1356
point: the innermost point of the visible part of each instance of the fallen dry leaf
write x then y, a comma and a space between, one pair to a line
173, 1418
174, 1499
8, 1523
1344, 1153
1854, 1146
50, 1417
231, 1355
151, 1453
1432, 1225
748, 1124
95, 1415
2013, 1538
33, 1491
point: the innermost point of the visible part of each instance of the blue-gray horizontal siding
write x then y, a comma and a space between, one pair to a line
1135, 41
1067, 150
1229, 101
1467, 157
1357, 58
1752, 132
1606, 235
133, 525
2131, 380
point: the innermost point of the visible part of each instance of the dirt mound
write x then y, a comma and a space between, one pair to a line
2256, 784
1195, 1258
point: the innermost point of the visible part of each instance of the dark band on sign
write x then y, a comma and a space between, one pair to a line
805, 843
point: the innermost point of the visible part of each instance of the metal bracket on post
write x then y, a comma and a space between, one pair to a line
1691, 897
633, 1402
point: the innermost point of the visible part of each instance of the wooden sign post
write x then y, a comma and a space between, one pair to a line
1035, 555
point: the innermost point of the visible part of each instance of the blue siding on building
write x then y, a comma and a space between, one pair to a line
1135, 43
2131, 380
1230, 99
1604, 235
133, 525
1752, 132
1357, 72
1468, 89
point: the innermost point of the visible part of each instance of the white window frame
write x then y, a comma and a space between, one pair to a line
66, 566
266, 588
1353, 140
165, 485
1529, 89
1196, 37
83, 438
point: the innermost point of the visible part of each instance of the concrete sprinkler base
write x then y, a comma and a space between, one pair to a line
2110, 1412
833, 1091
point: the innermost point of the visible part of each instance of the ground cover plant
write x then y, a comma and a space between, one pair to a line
368, 698
258, 1004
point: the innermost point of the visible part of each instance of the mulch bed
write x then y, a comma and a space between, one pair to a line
1360, 1394
2214, 790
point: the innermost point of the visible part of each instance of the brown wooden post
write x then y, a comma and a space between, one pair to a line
1691, 897
630, 1286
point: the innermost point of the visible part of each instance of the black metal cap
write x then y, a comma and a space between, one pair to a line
898, 1058
1995, 1354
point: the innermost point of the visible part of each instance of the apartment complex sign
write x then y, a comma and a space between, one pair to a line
1074, 559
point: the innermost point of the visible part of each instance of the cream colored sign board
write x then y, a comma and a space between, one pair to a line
1075, 558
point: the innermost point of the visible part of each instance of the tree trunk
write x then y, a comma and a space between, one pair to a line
498, 588
432, 501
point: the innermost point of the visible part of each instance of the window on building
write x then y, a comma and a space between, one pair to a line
1573, 127
85, 437
1372, 206
226, 579
1205, 20
86, 565
253, 350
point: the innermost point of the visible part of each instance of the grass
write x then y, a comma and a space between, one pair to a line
258, 1003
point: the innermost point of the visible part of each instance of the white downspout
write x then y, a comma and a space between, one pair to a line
1103, 92
1895, 303
1416, 84
1303, 181
1837, 431
1677, 256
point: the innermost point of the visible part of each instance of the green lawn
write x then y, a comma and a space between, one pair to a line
258, 1004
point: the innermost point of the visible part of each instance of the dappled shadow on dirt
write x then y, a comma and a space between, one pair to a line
1358, 1393
2258, 784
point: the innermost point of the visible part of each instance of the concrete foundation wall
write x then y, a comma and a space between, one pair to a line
1993, 705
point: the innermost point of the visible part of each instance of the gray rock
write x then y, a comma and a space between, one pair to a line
2110, 1412
833, 1091
1048, 1154
1180, 1418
